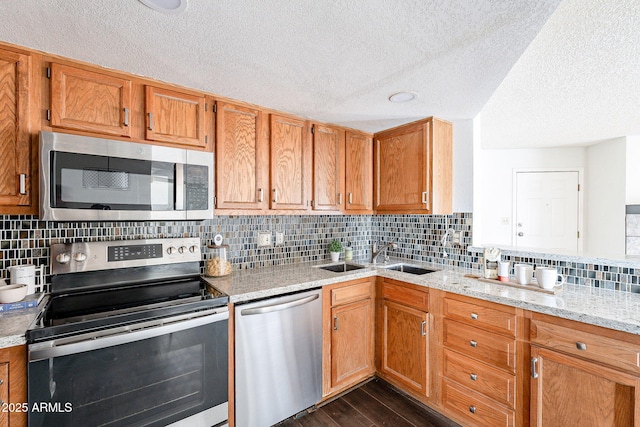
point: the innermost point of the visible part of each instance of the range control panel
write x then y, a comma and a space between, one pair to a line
93, 256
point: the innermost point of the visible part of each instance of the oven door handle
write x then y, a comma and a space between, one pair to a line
123, 335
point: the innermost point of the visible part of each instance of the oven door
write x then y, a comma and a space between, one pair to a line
152, 374
96, 179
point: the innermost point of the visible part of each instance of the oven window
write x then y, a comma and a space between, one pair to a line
82, 181
154, 381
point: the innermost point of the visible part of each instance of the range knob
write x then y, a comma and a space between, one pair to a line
80, 257
193, 249
182, 249
171, 250
63, 258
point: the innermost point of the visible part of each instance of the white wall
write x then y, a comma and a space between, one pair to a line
605, 198
463, 165
494, 174
633, 170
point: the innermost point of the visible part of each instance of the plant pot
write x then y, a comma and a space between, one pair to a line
335, 256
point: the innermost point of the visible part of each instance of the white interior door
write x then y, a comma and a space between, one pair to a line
547, 210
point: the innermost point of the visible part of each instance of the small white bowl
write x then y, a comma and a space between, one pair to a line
12, 293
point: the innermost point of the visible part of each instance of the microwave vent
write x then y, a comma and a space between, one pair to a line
114, 180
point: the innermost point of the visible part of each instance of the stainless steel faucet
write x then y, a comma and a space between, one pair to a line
375, 251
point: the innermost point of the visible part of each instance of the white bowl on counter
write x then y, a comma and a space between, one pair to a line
12, 293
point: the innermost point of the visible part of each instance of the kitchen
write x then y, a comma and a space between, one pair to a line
306, 236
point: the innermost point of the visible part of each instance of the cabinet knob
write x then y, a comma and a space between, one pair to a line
581, 346
472, 409
474, 316
473, 343
473, 377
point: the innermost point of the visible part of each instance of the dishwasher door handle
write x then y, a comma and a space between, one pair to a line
278, 307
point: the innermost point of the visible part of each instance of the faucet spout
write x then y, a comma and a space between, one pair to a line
375, 251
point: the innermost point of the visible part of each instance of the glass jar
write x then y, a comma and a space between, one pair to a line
217, 262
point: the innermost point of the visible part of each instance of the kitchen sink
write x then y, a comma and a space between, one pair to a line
341, 268
405, 268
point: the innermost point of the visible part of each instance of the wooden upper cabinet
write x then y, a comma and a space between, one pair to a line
328, 167
15, 173
358, 172
290, 163
89, 101
413, 168
175, 117
242, 158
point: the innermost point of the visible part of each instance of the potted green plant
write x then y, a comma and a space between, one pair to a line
335, 247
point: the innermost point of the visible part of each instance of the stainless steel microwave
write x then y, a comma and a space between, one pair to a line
94, 179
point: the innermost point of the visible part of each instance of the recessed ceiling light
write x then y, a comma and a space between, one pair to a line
166, 6
403, 97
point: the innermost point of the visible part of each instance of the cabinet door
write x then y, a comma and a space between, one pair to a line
14, 136
290, 165
402, 162
4, 393
351, 342
89, 101
242, 160
572, 392
175, 117
358, 172
328, 168
405, 343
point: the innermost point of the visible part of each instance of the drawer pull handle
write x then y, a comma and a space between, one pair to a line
23, 183
340, 198
126, 117
472, 409
581, 346
473, 343
474, 316
335, 323
473, 377
423, 329
534, 374
261, 195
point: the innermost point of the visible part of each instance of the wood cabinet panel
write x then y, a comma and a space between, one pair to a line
493, 349
474, 409
613, 352
13, 389
328, 167
4, 393
90, 101
15, 147
358, 172
352, 342
290, 166
175, 117
242, 160
569, 391
405, 295
493, 383
405, 345
351, 293
502, 320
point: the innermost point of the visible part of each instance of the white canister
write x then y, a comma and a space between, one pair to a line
26, 274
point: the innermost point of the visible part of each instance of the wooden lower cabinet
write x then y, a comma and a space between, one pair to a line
13, 386
348, 334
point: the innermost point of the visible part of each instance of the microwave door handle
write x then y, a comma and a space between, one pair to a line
180, 186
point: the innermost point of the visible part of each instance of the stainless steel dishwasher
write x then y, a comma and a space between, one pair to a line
278, 358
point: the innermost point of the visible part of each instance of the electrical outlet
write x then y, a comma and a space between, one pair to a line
279, 237
264, 238
456, 238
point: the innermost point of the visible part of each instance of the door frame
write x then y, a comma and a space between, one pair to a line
538, 170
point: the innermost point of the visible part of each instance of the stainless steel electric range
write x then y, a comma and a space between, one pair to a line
131, 335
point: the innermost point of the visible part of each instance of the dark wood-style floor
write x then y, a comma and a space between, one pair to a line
373, 404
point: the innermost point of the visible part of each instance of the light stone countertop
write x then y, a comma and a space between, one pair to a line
14, 325
601, 307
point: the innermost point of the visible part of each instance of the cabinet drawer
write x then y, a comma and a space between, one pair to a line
493, 383
405, 295
473, 408
496, 350
351, 293
611, 351
483, 317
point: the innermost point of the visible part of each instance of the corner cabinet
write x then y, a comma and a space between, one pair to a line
13, 386
242, 158
358, 172
414, 168
90, 101
290, 163
16, 179
348, 334
403, 335
328, 167
583, 374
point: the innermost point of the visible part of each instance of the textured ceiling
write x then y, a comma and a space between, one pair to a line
576, 84
331, 60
